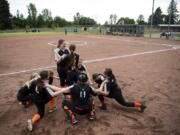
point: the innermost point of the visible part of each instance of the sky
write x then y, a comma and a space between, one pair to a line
99, 10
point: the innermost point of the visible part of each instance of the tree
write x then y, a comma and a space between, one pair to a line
46, 14
114, 19
40, 21
172, 12
111, 19
18, 21
77, 18
140, 20
125, 20
48, 20
32, 15
81, 20
106, 23
158, 17
87, 21
60, 22
5, 17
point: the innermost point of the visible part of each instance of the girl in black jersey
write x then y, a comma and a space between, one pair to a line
61, 53
82, 99
109, 88
41, 96
26, 92
72, 76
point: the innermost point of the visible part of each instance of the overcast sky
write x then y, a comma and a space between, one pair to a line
100, 10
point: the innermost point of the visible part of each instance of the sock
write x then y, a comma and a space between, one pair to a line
137, 104
69, 112
35, 118
52, 103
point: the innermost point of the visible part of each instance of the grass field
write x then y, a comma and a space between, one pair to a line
90, 31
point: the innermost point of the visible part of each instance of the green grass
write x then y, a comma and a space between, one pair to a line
47, 31
13, 34
60, 31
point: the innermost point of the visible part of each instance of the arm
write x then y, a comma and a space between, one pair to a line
58, 58
57, 90
103, 89
55, 77
28, 83
89, 79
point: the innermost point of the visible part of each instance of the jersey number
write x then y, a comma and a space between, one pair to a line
83, 94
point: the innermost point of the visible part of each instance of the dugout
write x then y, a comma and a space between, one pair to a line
172, 27
125, 29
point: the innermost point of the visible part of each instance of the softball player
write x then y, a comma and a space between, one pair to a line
61, 53
109, 88
82, 99
26, 92
73, 74
41, 96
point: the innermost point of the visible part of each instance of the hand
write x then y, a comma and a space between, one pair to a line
46, 84
63, 56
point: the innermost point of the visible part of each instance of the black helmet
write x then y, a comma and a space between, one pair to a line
82, 78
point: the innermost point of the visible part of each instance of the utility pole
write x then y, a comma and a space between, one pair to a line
151, 19
169, 21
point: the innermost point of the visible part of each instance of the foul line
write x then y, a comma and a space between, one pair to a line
78, 43
96, 60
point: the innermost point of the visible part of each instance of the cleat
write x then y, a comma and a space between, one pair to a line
74, 121
142, 108
92, 116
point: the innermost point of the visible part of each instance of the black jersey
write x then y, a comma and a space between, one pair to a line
112, 87
72, 75
64, 62
25, 90
82, 95
81, 68
76, 58
42, 95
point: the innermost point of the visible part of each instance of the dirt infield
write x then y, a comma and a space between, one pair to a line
146, 69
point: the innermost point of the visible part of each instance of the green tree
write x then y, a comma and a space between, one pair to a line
81, 20
46, 13
158, 17
173, 12
60, 22
5, 17
18, 21
113, 18
87, 21
32, 15
126, 20
140, 20
77, 18
40, 21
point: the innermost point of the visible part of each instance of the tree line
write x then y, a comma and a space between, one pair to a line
45, 19
34, 20
172, 17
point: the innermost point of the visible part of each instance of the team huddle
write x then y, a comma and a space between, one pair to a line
78, 88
